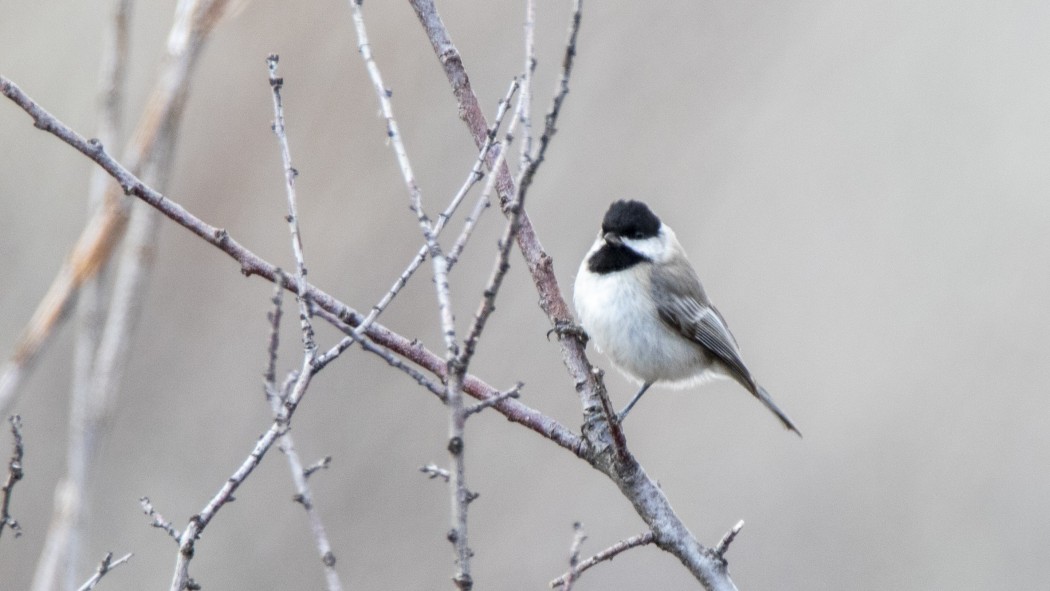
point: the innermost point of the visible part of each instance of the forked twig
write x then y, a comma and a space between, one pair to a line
104, 568
607, 554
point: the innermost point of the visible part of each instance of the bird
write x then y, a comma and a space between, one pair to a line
640, 301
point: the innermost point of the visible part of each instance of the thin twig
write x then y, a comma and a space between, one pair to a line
290, 174
104, 567
514, 392
524, 111
574, 556
476, 173
383, 353
435, 471
15, 472
483, 202
499, 271
321, 464
393, 133
158, 520
198, 523
270, 374
607, 554
300, 475
500, 149
551, 119
723, 545
304, 496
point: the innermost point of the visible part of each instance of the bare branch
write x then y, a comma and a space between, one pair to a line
723, 544
512, 393
460, 495
383, 353
197, 524
550, 121
574, 557
300, 475
524, 110
392, 131
194, 21
100, 371
476, 173
607, 554
436, 472
321, 464
602, 434
290, 174
104, 567
499, 271
539, 262
158, 520
483, 201
341, 315
15, 472
304, 496
270, 375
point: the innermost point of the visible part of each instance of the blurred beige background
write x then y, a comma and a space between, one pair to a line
862, 186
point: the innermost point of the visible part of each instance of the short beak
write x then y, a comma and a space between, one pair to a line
612, 239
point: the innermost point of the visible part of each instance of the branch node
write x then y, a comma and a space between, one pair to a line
455, 446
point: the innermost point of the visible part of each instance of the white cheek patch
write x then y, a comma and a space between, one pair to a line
656, 249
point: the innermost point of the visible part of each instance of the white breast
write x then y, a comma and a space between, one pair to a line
619, 315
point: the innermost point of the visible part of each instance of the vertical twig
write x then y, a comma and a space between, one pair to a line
290, 174
574, 556
304, 495
15, 472
525, 99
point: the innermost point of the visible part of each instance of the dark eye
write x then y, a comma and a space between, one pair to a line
637, 235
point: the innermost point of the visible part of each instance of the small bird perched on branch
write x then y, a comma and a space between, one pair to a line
641, 302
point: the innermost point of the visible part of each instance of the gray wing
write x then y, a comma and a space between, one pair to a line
683, 305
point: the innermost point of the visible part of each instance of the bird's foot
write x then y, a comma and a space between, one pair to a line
564, 328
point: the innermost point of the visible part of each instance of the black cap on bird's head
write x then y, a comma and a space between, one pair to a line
631, 219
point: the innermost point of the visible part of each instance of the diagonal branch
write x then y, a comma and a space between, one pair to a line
252, 264
103, 231
608, 554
